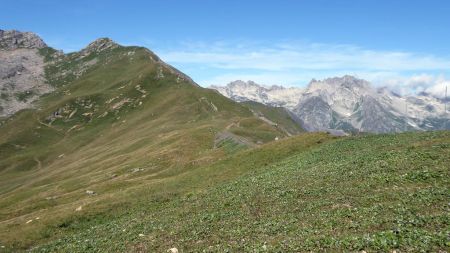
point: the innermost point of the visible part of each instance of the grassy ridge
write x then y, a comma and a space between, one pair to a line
118, 120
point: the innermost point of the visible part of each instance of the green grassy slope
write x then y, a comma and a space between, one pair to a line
129, 201
119, 119
373, 193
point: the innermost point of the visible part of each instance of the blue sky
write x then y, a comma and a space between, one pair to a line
402, 44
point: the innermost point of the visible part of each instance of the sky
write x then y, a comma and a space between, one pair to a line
403, 44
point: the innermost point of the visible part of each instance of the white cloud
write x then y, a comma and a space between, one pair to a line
438, 89
432, 84
304, 56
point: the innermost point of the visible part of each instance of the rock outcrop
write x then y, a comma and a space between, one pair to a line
21, 71
99, 45
13, 39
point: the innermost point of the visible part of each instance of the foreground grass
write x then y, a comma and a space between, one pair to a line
119, 195
373, 193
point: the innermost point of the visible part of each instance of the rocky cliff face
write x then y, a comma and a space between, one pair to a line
21, 71
14, 39
349, 104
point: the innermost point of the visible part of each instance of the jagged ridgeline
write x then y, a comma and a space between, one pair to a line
347, 104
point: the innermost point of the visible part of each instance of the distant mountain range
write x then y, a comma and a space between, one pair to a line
348, 104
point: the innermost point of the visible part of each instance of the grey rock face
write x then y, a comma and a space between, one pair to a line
21, 71
374, 117
13, 39
11, 71
315, 114
21, 79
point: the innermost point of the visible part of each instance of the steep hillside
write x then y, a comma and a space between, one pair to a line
118, 119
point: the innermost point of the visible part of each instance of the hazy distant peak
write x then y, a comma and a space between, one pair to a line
275, 95
346, 81
250, 83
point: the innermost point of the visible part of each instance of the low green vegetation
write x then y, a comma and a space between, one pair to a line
305, 193
372, 193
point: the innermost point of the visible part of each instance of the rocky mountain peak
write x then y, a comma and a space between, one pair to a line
344, 84
345, 81
252, 84
241, 84
236, 83
13, 39
274, 95
351, 82
276, 87
99, 45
